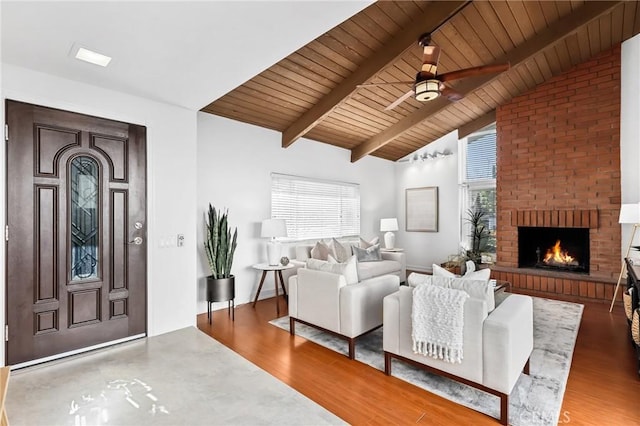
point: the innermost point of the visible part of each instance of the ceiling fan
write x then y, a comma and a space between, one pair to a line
428, 85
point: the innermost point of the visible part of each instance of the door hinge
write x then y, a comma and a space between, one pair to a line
6, 233
6, 332
6, 132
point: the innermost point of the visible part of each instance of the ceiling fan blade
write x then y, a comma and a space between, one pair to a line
449, 93
471, 72
400, 100
430, 57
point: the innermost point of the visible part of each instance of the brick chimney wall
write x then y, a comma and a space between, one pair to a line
559, 149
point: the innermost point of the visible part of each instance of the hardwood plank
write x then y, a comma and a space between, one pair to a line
536, 15
508, 21
550, 11
523, 18
593, 29
522, 54
569, 52
553, 59
489, 15
333, 63
372, 65
311, 68
629, 19
605, 31
359, 394
636, 24
475, 21
477, 124
617, 18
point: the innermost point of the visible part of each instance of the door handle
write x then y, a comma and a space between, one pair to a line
137, 241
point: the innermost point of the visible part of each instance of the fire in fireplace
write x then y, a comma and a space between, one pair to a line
561, 249
557, 256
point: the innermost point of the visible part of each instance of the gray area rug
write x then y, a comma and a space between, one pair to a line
536, 399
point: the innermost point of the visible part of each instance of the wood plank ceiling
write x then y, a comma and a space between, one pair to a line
314, 93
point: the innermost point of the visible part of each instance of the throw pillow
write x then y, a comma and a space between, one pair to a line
347, 270
320, 251
366, 244
338, 251
415, 279
476, 288
439, 271
482, 274
303, 252
470, 265
371, 254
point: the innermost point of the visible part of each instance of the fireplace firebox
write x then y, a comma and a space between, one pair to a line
556, 249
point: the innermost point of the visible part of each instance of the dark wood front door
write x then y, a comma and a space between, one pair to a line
76, 243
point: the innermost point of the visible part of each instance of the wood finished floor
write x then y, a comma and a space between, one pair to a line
603, 386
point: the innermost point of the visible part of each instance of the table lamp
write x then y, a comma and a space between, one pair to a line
389, 225
630, 214
273, 228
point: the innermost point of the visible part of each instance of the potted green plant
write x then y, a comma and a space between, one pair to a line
220, 247
479, 234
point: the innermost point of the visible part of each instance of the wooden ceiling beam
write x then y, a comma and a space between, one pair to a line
477, 124
556, 32
437, 13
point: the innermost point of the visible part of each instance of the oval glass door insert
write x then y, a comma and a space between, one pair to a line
84, 218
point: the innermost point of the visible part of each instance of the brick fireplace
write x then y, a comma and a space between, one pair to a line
559, 167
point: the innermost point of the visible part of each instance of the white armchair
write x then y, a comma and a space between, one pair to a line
324, 300
496, 345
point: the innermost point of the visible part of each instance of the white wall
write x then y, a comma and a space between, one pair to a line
235, 162
171, 192
425, 248
630, 129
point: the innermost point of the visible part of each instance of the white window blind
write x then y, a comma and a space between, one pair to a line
478, 183
481, 157
315, 208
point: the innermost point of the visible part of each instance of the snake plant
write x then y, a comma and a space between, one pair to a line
219, 244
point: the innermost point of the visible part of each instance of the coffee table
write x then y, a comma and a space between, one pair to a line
500, 285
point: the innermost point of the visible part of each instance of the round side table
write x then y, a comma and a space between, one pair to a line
277, 275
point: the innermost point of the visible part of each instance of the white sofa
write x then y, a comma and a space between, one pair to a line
324, 300
496, 345
392, 263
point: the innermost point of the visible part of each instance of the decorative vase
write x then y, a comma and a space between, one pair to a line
284, 260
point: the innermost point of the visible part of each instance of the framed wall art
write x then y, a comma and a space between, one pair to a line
422, 209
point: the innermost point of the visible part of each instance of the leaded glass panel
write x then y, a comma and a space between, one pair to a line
84, 218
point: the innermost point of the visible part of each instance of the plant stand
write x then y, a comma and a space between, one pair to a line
221, 290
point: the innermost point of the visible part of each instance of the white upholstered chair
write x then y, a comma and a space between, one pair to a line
324, 300
497, 344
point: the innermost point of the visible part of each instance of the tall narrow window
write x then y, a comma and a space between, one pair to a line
478, 186
315, 208
84, 190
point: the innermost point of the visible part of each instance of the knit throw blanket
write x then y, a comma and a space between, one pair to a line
438, 320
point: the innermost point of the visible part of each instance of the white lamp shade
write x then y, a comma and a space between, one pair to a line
629, 213
389, 224
273, 228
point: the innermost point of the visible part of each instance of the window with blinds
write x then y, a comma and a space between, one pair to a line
315, 208
478, 182
481, 157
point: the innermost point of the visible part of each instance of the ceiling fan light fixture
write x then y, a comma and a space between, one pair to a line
427, 90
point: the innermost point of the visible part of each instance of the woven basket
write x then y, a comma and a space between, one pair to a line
626, 299
635, 327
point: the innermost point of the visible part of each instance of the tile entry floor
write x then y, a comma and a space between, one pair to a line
179, 378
